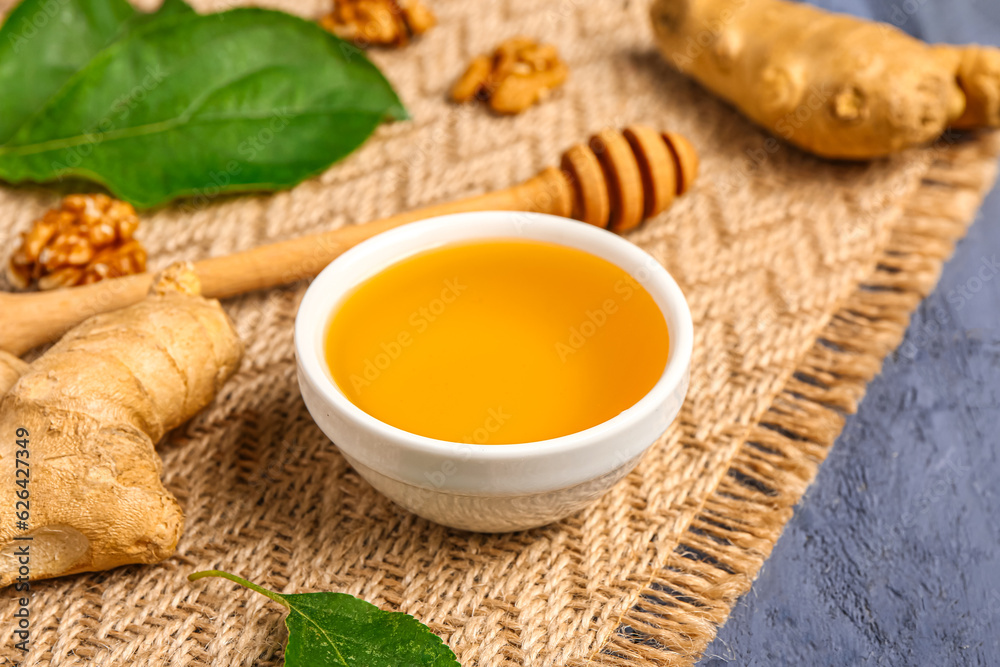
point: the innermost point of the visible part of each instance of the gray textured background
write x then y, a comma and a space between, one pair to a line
893, 556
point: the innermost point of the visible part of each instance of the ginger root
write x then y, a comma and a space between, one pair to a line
979, 78
11, 368
93, 406
835, 85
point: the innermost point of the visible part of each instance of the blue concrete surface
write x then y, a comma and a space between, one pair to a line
893, 555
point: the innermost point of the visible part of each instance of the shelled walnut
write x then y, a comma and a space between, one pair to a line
378, 22
519, 73
87, 239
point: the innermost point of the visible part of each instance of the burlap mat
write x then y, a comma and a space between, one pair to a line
801, 276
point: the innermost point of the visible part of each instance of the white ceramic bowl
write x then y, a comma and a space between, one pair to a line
489, 488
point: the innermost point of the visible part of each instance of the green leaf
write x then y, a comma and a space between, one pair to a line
168, 9
191, 105
339, 629
45, 42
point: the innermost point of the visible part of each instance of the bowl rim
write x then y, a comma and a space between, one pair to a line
325, 293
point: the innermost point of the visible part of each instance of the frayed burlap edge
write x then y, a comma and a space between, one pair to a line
681, 608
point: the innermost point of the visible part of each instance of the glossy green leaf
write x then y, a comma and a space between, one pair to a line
168, 9
192, 105
339, 629
45, 42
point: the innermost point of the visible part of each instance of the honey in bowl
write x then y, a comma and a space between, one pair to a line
497, 342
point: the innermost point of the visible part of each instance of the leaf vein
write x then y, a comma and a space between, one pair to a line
163, 126
323, 632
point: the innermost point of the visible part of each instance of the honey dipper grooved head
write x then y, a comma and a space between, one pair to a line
656, 163
621, 171
686, 158
620, 178
590, 190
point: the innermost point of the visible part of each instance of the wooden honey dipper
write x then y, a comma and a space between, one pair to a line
615, 181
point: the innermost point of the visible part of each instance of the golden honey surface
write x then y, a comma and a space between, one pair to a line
497, 342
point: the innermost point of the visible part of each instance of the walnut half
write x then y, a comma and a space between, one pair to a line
87, 239
519, 73
378, 22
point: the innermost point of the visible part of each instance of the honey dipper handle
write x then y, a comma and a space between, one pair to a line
31, 319
289, 261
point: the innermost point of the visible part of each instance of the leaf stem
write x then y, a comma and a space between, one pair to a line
277, 597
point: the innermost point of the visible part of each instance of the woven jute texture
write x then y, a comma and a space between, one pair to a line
800, 273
